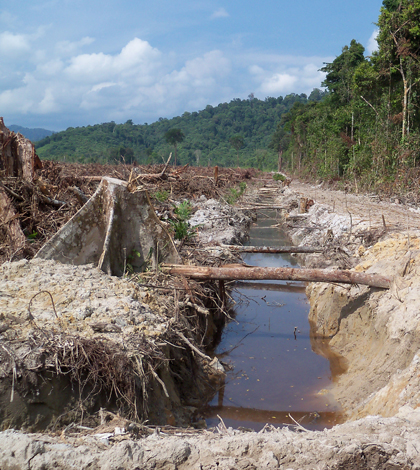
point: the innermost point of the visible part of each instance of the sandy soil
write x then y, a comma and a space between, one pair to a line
367, 208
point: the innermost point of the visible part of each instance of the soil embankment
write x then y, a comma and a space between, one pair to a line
375, 331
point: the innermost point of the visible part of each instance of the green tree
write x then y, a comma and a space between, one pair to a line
174, 137
279, 142
340, 72
237, 142
398, 58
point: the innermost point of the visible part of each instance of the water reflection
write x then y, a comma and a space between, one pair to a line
278, 366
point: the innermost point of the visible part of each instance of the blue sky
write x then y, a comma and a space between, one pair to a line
78, 62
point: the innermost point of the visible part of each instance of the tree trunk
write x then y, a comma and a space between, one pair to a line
114, 230
280, 161
17, 154
9, 224
17, 160
284, 274
274, 249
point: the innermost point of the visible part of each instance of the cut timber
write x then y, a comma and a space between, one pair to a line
253, 273
274, 249
115, 228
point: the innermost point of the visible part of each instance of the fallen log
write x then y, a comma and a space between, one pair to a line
254, 207
253, 273
274, 249
265, 206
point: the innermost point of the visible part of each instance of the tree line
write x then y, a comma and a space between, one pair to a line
366, 127
230, 134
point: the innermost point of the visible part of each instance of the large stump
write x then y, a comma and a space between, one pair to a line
17, 160
17, 154
114, 230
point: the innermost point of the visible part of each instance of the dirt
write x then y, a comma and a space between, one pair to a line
366, 210
375, 333
375, 443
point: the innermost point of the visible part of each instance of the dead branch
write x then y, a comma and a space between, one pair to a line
81, 196
30, 316
204, 356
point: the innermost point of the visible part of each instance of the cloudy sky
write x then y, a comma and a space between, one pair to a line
78, 62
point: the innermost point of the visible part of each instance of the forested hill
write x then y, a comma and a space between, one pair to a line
207, 135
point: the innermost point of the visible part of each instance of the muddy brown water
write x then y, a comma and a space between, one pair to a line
276, 372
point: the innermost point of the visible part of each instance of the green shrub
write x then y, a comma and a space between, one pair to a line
279, 177
161, 196
180, 226
235, 193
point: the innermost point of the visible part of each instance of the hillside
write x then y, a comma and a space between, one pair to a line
207, 136
31, 134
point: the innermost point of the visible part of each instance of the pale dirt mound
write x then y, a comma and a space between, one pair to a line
372, 444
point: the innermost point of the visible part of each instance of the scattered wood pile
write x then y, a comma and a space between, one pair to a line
38, 198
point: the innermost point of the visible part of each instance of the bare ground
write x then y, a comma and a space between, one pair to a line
376, 332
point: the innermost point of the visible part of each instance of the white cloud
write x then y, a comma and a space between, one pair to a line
51, 68
372, 44
276, 75
101, 86
68, 48
12, 45
48, 104
139, 82
278, 83
137, 59
220, 13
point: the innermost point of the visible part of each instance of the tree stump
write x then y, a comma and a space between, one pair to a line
17, 154
19, 160
115, 230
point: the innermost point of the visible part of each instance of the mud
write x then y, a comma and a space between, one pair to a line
374, 443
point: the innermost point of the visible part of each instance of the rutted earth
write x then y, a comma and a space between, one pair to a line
375, 331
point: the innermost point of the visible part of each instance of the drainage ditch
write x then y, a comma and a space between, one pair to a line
280, 372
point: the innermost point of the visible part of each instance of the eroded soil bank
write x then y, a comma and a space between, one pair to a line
377, 332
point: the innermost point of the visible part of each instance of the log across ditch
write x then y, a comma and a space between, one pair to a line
252, 273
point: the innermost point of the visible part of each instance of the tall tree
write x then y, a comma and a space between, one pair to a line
279, 142
174, 137
340, 72
237, 142
399, 51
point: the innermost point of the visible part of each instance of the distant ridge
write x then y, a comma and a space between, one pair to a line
31, 134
